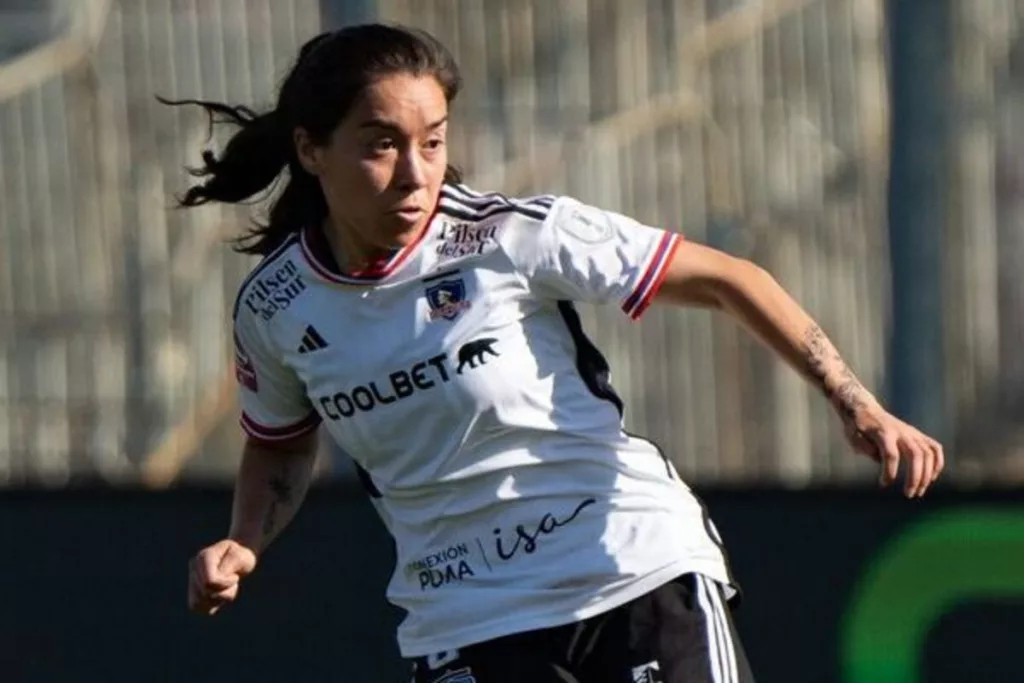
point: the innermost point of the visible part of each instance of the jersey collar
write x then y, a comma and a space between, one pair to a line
317, 253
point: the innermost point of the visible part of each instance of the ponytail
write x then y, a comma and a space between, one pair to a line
250, 164
330, 72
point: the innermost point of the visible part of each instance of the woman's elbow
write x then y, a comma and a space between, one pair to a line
707, 278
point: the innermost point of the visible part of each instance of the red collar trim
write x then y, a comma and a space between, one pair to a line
317, 252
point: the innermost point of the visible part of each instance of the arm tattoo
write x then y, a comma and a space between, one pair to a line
817, 352
846, 392
282, 489
850, 393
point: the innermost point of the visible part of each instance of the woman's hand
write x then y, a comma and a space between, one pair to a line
886, 439
214, 574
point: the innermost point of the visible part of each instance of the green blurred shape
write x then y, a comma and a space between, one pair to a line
948, 559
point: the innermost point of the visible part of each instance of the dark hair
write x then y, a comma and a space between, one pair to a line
331, 71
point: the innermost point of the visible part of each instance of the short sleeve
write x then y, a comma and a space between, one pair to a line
274, 403
584, 253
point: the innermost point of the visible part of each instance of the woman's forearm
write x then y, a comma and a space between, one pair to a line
270, 487
754, 297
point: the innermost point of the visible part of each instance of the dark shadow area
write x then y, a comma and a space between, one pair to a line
975, 642
93, 587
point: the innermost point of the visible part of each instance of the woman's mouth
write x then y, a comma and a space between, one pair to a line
409, 214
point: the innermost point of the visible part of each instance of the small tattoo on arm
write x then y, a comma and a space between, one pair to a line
817, 352
282, 489
848, 392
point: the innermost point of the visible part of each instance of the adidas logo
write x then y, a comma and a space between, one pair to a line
312, 341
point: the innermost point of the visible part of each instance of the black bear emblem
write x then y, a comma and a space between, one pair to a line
473, 353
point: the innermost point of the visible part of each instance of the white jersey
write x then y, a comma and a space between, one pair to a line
480, 416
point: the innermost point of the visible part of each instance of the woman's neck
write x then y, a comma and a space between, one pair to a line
351, 254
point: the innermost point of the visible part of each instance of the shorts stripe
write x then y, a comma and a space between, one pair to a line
594, 637
710, 595
577, 632
565, 675
715, 662
723, 618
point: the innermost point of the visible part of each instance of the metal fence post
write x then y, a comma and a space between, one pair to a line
920, 49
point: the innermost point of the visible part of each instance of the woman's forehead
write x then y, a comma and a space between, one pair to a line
401, 100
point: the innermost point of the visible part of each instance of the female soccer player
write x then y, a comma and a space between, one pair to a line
432, 331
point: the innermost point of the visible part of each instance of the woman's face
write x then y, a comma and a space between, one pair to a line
382, 168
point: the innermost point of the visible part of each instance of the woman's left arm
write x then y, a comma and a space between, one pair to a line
702, 276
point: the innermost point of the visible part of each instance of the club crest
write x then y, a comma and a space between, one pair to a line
447, 299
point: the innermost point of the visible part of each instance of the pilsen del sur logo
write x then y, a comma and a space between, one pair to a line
458, 239
274, 289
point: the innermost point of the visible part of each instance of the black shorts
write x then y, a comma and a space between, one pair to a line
681, 632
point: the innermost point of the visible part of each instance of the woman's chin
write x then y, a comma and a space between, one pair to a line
404, 229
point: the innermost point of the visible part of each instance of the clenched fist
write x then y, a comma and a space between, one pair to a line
214, 574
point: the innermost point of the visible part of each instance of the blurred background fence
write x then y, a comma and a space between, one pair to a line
868, 153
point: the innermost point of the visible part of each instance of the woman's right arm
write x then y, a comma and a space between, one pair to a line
272, 482
277, 460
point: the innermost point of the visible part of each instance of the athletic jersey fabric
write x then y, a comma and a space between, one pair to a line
481, 419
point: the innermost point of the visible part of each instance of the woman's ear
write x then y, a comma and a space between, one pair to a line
310, 155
